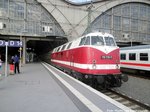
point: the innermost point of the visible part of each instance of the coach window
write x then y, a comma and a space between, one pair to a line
97, 40
82, 41
87, 42
132, 56
123, 56
143, 56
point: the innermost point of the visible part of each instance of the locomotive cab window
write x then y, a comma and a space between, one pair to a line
97, 40
110, 41
87, 42
123, 56
82, 41
132, 56
143, 56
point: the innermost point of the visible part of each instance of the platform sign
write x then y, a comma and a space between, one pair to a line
15, 43
7, 44
2, 43
11, 43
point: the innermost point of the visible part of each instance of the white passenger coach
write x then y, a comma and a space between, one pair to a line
136, 58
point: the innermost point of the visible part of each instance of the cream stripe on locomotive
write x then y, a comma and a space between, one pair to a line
88, 66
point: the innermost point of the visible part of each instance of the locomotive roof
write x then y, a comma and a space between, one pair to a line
99, 33
136, 47
75, 40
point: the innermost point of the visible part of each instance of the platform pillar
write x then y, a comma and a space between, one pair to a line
24, 50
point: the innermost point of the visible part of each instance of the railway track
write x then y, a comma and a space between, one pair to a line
125, 100
138, 75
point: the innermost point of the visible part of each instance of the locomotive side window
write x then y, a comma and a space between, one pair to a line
97, 40
63, 47
87, 42
123, 56
58, 49
143, 56
110, 41
82, 41
53, 50
69, 45
132, 56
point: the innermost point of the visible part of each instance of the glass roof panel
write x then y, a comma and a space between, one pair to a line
79, 1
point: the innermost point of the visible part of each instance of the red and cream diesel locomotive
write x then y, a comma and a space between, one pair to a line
94, 56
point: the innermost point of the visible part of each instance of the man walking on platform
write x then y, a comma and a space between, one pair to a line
16, 61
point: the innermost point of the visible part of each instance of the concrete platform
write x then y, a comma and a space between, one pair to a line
33, 90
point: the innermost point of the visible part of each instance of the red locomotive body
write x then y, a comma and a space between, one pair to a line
94, 56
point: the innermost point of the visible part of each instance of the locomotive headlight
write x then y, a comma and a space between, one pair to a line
117, 64
94, 64
106, 57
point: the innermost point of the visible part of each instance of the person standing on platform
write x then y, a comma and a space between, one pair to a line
0, 66
16, 62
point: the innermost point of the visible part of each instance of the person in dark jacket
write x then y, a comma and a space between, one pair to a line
16, 62
11, 61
